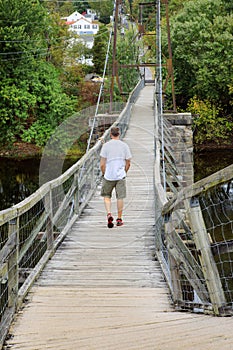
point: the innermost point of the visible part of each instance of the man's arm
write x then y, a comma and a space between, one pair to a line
102, 165
127, 165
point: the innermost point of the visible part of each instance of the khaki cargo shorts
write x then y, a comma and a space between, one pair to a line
108, 186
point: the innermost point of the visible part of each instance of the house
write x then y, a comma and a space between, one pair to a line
83, 26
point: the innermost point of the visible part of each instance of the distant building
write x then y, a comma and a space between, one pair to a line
83, 25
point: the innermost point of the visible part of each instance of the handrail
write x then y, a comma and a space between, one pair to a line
199, 187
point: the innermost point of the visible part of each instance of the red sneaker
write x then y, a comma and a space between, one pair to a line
119, 222
110, 220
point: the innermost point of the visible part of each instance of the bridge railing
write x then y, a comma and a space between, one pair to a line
193, 231
196, 244
31, 231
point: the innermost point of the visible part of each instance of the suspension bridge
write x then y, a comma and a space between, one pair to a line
67, 281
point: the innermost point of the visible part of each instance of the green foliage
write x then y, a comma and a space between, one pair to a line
57, 38
104, 9
176, 5
208, 124
202, 51
128, 53
52, 105
32, 102
21, 37
81, 5
15, 104
38, 133
99, 49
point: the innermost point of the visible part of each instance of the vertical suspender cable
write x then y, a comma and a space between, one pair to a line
160, 88
101, 87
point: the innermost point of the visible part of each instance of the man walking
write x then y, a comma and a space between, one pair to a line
115, 159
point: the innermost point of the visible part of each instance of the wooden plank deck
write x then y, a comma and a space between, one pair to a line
104, 289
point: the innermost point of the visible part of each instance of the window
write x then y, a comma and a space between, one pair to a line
94, 26
86, 26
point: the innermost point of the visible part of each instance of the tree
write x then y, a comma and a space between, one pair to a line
51, 108
104, 9
21, 33
31, 96
176, 5
81, 5
128, 53
99, 49
209, 125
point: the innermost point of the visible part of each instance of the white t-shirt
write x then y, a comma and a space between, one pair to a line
115, 152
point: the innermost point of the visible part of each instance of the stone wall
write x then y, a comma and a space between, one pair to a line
181, 141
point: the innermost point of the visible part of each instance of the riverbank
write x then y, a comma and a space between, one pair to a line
23, 150
212, 146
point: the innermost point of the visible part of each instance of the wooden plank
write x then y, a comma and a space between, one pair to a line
113, 318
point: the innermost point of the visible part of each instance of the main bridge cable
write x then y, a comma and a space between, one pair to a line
102, 84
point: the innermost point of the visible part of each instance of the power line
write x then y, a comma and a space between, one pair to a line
44, 40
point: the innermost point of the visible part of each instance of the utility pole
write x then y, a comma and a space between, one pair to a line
114, 62
169, 61
159, 88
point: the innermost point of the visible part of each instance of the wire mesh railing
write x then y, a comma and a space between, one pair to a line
193, 222
32, 230
194, 234
196, 244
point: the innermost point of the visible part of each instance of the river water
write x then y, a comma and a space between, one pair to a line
20, 178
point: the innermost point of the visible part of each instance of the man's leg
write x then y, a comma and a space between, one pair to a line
107, 204
106, 192
120, 205
120, 193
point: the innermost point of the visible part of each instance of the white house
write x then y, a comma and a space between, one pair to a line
83, 26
